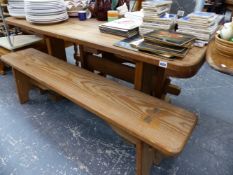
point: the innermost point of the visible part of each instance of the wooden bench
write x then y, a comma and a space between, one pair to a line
156, 128
2, 66
39, 46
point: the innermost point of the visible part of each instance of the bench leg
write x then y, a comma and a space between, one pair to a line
23, 86
144, 158
158, 157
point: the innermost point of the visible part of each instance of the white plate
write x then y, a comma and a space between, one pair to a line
45, 11
47, 22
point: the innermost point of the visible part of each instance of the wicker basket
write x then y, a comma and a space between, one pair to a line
224, 47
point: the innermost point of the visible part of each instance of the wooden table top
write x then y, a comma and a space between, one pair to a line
87, 33
217, 61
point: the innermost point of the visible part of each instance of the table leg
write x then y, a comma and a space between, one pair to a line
145, 73
56, 47
2, 72
160, 82
151, 79
138, 76
76, 55
83, 57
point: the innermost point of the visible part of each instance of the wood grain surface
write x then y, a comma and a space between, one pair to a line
87, 33
155, 122
3, 51
218, 61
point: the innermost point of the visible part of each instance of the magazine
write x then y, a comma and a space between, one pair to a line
122, 24
125, 27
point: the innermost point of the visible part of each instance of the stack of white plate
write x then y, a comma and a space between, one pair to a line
45, 11
16, 8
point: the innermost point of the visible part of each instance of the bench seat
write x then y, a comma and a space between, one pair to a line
3, 51
150, 122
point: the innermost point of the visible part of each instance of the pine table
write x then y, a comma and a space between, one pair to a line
149, 73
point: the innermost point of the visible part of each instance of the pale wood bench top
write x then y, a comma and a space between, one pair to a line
155, 122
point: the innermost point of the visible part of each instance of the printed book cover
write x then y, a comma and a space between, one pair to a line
167, 37
122, 24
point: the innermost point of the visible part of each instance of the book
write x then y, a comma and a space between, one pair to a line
187, 21
169, 48
166, 18
123, 33
125, 27
169, 38
202, 25
144, 30
155, 25
122, 24
162, 49
202, 15
130, 43
155, 4
156, 16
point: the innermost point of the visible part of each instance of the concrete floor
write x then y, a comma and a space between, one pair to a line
44, 137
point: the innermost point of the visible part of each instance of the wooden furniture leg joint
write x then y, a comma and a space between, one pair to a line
173, 89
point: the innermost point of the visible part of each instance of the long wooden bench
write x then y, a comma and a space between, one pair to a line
2, 67
156, 128
39, 46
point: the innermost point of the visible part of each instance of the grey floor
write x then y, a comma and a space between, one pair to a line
44, 137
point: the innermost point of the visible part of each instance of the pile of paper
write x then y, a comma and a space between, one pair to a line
125, 27
202, 25
156, 16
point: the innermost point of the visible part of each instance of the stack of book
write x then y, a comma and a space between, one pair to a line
165, 43
122, 27
156, 16
203, 25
